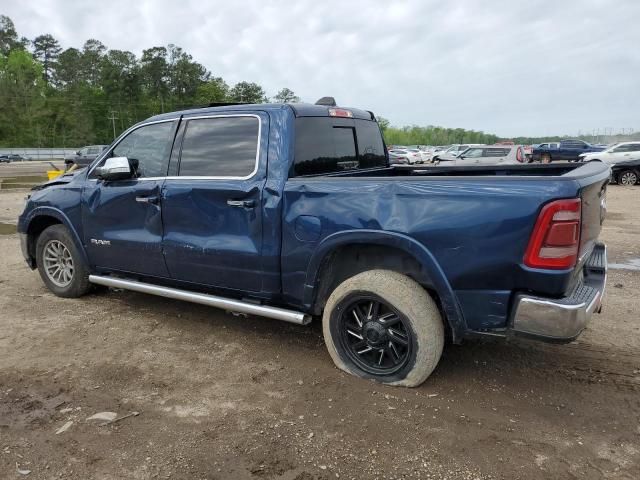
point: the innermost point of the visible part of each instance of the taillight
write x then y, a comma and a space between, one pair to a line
555, 240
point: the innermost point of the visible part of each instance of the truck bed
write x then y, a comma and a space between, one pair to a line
567, 170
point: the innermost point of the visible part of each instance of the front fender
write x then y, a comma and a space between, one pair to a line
42, 211
435, 276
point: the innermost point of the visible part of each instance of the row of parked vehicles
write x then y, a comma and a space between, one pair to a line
623, 157
459, 155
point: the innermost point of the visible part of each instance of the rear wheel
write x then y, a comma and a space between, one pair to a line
60, 264
627, 177
384, 326
545, 158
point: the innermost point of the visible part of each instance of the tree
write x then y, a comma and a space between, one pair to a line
46, 49
247, 92
185, 76
91, 60
9, 37
68, 67
154, 69
22, 98
383, 123
214, 90
286, 96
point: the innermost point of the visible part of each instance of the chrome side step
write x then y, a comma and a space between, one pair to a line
204, 299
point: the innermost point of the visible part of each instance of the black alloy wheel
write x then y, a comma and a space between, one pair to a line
374, 335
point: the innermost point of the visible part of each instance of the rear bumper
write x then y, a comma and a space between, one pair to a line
562, 320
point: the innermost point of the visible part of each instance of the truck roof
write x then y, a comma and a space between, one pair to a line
299, 110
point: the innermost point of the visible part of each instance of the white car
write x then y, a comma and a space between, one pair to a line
618, 153
411, 154
453, 151
488, 155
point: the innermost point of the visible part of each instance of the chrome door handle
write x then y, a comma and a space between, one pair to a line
152, 199
241, 203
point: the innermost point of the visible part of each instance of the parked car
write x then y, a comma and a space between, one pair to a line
451, 152
568, 150
616, 153
398, 157
412, 155
488, 155
11, 157
626, 173
293, 212
85, 155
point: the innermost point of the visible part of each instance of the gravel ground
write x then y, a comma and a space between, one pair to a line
221, 397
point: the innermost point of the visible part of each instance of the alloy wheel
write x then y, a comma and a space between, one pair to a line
375, 336
58, 263
628, 178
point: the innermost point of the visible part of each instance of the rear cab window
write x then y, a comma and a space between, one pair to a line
326, 145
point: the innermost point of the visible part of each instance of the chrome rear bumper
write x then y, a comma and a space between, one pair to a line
563, 319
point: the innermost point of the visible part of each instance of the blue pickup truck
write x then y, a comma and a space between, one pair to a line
292, 212
568, 150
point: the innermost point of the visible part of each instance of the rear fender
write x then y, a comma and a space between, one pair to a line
434, 277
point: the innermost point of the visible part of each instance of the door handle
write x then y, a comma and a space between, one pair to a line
241, 203
151, 199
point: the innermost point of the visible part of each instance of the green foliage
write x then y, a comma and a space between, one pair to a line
247, 92
431, 135
286, 96
77, 96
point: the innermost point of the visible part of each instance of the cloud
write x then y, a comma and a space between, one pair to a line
512, 68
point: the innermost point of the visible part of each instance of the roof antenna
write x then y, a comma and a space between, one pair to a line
327, 102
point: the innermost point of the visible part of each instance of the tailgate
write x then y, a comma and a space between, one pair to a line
593, 179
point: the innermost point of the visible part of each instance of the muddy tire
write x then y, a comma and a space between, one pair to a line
61, 266
382, 325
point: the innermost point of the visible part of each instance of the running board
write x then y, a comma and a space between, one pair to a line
204, 299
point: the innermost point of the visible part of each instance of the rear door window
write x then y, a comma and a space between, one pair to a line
327, 145
220, 147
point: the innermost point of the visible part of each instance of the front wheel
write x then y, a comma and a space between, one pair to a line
627, 178
383, 325
545, 158
60, 263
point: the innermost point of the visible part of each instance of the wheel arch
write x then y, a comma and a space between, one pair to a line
347, 253
41, 218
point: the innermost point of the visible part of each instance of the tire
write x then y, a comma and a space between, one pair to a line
545, 158
409, 314
627, 178
56, 243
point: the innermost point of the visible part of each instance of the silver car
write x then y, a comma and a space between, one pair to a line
488, 155
452, 152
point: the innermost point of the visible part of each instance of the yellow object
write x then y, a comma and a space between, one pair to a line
54, 174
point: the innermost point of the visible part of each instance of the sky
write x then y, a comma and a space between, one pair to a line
530, 68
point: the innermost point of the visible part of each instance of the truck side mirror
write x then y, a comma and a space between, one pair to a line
115, 168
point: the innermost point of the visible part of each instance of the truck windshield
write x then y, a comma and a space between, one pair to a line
328, 145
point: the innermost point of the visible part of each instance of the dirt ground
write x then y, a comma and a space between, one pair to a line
221, 397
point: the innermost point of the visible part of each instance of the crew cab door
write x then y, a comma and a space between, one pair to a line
212, 202
122, 220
